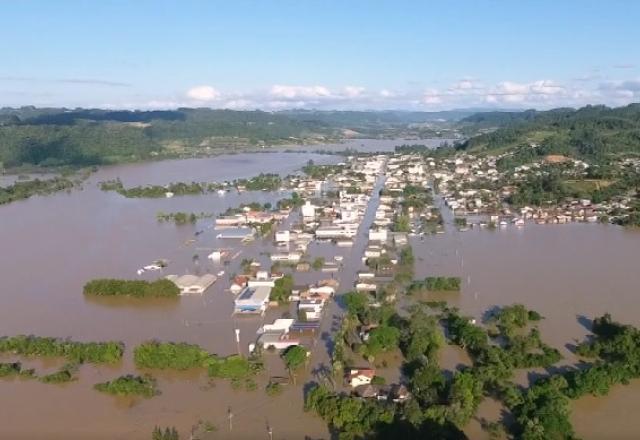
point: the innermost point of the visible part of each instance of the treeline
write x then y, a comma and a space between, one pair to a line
181, 218
435, 284
131, 288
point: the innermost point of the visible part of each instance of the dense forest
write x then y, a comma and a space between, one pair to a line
591, 132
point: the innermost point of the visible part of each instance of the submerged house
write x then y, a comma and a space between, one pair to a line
360, 376
236, 233
252, 300
192, 283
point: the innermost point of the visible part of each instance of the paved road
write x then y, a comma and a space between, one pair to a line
320, 365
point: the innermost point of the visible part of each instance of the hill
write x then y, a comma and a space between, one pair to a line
79, 137
591, 132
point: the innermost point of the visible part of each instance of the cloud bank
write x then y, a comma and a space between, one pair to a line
467, 92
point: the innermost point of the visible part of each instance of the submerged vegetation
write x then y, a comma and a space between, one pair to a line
155, 191
63, 375
21, 190
441, 406
166, 434
282, 289
261, 182
77, 352
435, 284
129, 385
183, 356
169, 355
132, 288
181, 218
14, 369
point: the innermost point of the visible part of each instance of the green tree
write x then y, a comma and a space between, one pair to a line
294, 358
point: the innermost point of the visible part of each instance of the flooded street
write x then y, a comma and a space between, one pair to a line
52, 245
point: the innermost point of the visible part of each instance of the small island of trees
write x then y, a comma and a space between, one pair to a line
131, 288
76, 352
129, 385
181, 218
183, 356
435, 284
24, 189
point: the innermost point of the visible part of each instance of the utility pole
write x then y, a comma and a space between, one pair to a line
238, 341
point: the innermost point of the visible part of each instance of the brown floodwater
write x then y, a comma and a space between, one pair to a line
569, 273
50, 246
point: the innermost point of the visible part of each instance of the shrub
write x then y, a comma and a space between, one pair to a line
128, 385
273, 389
78, 352
169, 355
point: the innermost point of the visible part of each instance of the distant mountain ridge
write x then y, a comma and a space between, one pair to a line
79, 137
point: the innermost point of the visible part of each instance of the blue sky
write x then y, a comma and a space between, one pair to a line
319, 54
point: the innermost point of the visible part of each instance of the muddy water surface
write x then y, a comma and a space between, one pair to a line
50, 246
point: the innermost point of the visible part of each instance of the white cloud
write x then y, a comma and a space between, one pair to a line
299, 92
464, 85
536, 91
462, 93
353, 91
431, 97
203, 93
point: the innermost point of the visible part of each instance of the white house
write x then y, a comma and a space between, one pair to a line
308, 210
312, 308
283, 236
252, 300
286, 256
378, 235
192, 283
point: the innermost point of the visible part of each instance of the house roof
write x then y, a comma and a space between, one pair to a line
367, 372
